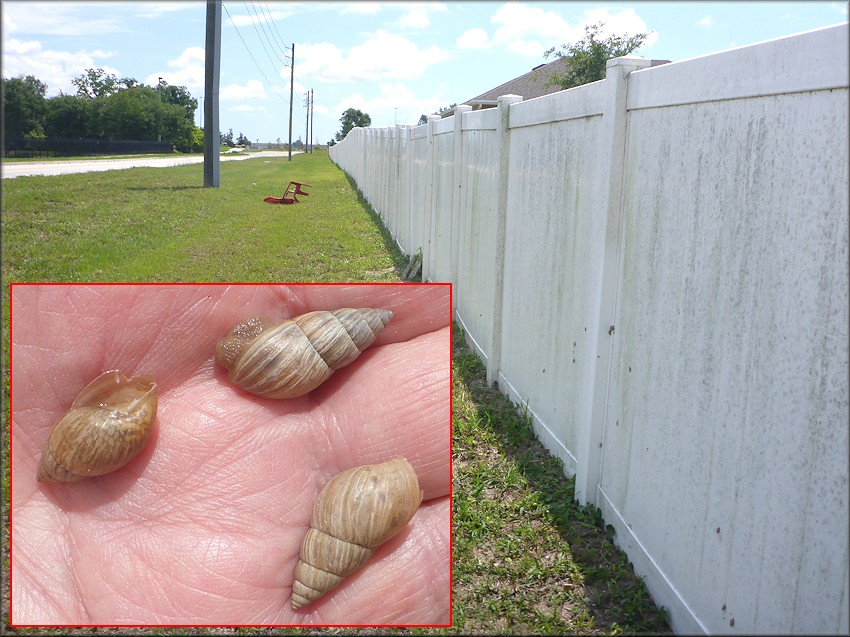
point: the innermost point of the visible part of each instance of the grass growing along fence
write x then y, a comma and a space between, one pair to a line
527, 558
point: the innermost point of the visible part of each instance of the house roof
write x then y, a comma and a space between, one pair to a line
529, 85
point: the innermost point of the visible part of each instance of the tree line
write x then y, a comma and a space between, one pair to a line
107, 108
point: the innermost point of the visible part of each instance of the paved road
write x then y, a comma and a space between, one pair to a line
21, 169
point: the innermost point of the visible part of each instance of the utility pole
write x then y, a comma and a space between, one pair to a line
312, 121
159, 123
291, 89
212, 68
307, 129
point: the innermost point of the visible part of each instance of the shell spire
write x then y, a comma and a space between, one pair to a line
292, 358
356, 512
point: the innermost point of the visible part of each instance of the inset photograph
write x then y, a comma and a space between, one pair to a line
231, 454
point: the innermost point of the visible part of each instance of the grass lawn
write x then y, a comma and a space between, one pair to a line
527, 559
161, 224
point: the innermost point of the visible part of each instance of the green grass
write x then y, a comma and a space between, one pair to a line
157, 224
527, 558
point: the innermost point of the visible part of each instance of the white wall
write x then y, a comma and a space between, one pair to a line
656, 265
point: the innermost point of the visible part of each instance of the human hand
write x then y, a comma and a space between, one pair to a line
204, 527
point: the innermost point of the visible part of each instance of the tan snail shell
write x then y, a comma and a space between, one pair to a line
107, 426
356, 512
289, 359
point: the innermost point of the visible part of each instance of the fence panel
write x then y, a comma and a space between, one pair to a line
552, 223
477, 256
726, 438
440, 253
666, 252
420, 205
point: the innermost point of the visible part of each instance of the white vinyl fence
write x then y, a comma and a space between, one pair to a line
656, 265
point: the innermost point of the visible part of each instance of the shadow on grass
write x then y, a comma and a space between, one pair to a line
155, 188
400, 260
615, 595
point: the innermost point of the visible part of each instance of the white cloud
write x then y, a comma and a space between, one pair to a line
529, 31
705, 22
254, 89
841, 7
417, 14
54, 68
383, 56
473, 39
158, 9
625, 22
246, 108
187, 70
260, 17
56, 18
369, 8
396, 103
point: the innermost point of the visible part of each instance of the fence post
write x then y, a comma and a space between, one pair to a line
431, 203
504, 135
458, 183
403, 184
603, 302
413, 239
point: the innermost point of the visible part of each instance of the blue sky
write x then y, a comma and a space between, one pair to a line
393, 60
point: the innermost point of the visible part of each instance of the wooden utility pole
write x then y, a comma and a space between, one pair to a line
312, 121
291, 89
307, 127
212, 166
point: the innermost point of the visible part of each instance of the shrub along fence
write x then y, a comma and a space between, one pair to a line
655, 264
17, 146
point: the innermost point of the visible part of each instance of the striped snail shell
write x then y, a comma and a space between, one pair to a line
107, 426
289, 359
356, 512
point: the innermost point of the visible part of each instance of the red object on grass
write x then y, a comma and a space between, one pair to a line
294, 188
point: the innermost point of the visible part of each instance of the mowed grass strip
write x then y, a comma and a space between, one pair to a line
161, 224
527, 558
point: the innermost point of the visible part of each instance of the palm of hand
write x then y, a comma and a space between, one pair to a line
206, 525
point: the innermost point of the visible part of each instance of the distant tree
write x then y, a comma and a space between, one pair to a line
196, 142
242, 140
352, 118
23, 105
67, 116
134, 113
423, 119
180, 96
227, 140
96, 83
588, 56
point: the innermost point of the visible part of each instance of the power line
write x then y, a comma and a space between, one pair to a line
279, 39
270, 85
254, 23
274, 26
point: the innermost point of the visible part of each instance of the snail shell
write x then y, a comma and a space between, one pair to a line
356, 512
289, 359
107, 426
